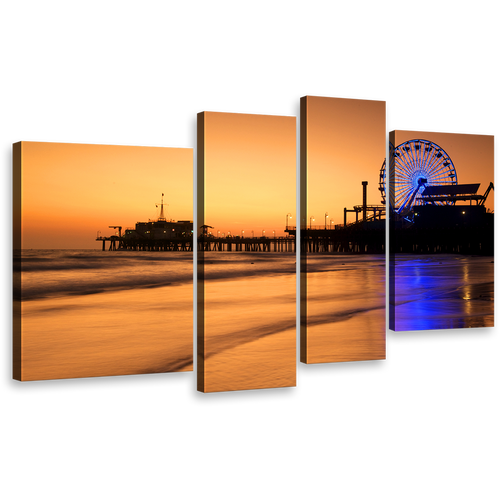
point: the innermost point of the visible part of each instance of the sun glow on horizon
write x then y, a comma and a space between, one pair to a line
73, 192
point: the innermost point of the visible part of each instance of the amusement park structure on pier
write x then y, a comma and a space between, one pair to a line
429, 212
161, 234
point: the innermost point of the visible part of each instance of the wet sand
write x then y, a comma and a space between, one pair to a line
113, 333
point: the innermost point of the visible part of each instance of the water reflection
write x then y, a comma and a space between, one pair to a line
441, 291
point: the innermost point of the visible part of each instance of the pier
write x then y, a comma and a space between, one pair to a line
147, 245
467, 241
238, 244
205, 244
437, 225
360, 238
356, 238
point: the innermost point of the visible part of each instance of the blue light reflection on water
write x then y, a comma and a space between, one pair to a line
441, 291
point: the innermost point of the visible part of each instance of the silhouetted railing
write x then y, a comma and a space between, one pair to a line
319, 227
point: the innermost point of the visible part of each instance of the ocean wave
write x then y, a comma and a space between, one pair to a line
74, 289
232, 274
335, 317
44, 265
64, 261
69, 273
222, 343
217, 344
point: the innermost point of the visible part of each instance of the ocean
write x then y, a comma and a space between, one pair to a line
345, 307
88, 313
441, 291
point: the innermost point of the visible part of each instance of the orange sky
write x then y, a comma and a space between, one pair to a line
250, 173
71, 191
346, 141
472, 156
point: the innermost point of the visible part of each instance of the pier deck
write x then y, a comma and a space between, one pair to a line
356, 238
207, 244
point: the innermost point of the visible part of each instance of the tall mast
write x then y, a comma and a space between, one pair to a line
162, 215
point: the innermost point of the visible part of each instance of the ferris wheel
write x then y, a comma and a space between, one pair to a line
417, 163
382, 181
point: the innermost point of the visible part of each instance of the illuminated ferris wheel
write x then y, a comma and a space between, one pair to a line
417, 163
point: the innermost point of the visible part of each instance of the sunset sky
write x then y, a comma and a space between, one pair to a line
250, 173
346, 140
72, 191
472, 156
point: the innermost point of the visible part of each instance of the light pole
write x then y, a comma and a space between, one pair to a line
287, 216
242, 233
310, 221
253, 234
274, 234
218, 234
263, 232
326, 217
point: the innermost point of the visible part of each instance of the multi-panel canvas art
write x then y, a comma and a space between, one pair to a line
103, 244
102, 260
246, 332
441, 231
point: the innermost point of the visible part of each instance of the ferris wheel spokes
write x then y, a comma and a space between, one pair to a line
417, 163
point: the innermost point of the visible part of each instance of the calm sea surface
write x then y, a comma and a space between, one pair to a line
345, 307
93, 313
443, 291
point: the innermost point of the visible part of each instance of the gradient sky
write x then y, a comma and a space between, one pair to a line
346, 140
472, 156
71, 191
250, 172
